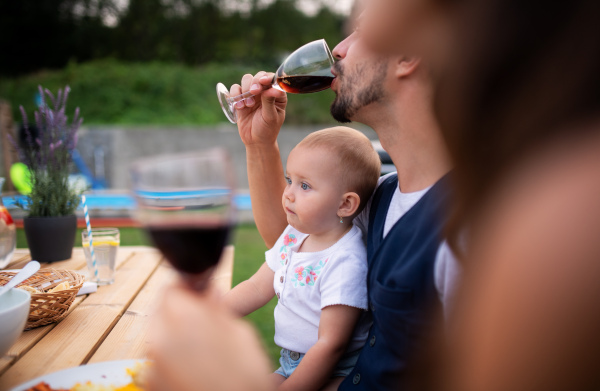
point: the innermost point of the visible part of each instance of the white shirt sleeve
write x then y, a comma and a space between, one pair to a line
344, 280
447, 275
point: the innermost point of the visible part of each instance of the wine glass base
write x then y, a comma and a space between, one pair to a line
228, 109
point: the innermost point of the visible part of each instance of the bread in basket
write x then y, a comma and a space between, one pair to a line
47, 306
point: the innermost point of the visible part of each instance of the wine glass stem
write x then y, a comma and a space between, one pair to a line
234, 99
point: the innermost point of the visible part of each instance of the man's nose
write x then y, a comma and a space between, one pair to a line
341, 49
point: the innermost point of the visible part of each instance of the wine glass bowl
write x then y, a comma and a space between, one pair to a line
185, 203
306, 70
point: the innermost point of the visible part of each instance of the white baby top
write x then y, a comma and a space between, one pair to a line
305, 283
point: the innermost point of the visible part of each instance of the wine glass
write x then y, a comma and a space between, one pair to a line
306, 70
185, 203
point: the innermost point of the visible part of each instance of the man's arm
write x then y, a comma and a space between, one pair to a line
259, 121
267, 183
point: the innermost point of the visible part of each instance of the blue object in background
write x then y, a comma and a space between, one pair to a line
97, 183
123, 201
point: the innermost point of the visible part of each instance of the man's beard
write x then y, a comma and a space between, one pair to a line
352, 98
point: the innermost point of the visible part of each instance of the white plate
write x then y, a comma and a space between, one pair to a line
105, 373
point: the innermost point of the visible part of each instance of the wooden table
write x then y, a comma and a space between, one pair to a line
110, 324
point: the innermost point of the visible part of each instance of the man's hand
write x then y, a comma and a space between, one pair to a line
259, 117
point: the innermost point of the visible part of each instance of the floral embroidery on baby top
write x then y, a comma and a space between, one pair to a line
288, 241
306, 276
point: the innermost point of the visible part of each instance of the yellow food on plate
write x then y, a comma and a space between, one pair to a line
97, 387
138, 374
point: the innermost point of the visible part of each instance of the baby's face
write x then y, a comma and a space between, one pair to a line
313, 193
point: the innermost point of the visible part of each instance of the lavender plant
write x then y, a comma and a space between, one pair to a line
48, 157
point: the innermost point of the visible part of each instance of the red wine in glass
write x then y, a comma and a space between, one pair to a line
304, 84
185, 203
192, 249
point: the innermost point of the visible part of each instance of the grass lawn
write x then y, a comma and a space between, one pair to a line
249, 255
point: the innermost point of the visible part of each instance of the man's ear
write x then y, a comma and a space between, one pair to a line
349, 205
407, 65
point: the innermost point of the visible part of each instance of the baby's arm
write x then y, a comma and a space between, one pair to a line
252, 294
336, 325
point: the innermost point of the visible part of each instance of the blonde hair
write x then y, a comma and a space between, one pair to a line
359, 163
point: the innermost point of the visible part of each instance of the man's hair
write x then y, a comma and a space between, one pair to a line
359, 164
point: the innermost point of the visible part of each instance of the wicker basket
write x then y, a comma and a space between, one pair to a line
47, 307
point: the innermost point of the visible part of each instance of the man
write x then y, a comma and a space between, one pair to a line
411, 271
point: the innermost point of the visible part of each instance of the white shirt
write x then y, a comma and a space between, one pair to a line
306, 282
447, 269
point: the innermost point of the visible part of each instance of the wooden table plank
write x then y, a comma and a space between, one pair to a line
110, 324
129, 338
74, 340
20, 255
28, 339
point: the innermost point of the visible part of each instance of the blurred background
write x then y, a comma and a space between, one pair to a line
143, 73
157, 61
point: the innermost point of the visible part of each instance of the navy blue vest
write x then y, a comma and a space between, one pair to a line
402, 293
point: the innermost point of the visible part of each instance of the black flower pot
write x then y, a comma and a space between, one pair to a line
50, 239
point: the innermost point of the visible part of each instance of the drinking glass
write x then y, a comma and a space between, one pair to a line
185, 203
105, 242
306, 70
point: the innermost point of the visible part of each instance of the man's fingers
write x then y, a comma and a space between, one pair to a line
246, 82
235, 90
257, 86
266, 79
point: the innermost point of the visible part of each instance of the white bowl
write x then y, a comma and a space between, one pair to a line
14, 310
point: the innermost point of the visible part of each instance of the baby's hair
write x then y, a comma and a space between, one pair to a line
359, 164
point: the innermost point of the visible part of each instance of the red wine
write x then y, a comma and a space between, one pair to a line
190, 249
304, 84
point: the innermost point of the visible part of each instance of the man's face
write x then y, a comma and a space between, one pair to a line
360, 78
423, 27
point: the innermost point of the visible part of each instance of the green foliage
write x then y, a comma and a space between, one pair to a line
113, 92
51, 194
53, 32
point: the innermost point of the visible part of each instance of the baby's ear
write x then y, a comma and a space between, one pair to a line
349, 205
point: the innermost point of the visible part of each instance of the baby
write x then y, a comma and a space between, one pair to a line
318, 267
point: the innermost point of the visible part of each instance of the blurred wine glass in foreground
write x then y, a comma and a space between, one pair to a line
185, 203
306, 70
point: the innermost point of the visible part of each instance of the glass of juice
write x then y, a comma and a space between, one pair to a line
105, 243
185, 203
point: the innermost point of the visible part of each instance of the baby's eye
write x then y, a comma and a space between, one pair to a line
305, 186
288, 180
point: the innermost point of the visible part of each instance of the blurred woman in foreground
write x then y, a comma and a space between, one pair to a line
519, 101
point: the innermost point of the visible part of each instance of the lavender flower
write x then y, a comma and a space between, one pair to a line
49, 156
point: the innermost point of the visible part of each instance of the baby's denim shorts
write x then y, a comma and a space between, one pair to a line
289, 361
